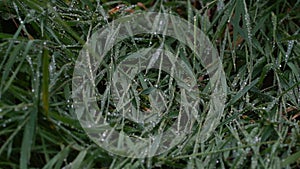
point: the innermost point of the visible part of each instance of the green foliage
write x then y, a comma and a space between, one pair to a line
258, 42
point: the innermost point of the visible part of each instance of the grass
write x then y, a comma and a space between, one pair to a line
258, 43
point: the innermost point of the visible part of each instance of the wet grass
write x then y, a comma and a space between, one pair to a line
258, 43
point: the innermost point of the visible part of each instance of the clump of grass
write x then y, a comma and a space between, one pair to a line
258, 43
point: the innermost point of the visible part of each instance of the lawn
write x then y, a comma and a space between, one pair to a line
48, 83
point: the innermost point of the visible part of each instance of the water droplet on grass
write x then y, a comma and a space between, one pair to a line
289, 50
248, 26
150, 43
52, 68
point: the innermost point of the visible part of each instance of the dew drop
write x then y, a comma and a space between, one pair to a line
248, 26
104, 134
257, 139
25, 108
289, 49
